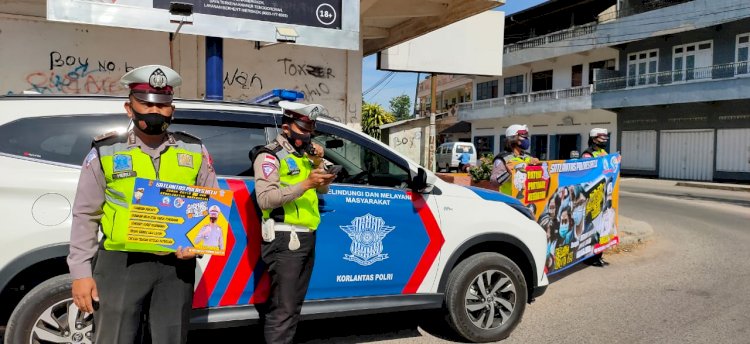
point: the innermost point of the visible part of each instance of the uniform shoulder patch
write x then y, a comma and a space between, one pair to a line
185, 137
108, 138
106, 135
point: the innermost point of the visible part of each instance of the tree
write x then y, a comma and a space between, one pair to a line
373, 116
400, 107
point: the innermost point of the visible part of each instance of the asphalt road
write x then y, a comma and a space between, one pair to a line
687, 284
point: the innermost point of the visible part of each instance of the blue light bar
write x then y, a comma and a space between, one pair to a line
275, 96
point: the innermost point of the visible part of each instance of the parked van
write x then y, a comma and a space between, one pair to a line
449, 155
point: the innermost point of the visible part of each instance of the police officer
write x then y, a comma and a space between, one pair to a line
289, 173
516, 144
598, 139
211, 234
597, 142
116, 280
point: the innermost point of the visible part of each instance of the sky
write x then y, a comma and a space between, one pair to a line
406, 83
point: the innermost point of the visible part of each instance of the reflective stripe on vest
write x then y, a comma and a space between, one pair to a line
121, 165
507, 187
302, 211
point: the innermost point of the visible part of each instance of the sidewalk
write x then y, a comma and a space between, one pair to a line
717, 186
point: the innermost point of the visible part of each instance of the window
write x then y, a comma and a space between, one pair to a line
642, 67
513, 85
743, 47
606, 65
62, 139
487, 90
541, 81
361, 165
484, 144
576, 76
692, 61
228, 145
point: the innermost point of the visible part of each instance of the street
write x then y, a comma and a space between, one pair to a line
686, 284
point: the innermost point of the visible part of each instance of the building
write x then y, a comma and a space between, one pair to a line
449, 92
666, 77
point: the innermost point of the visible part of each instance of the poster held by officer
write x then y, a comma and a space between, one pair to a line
165, 216
576, 202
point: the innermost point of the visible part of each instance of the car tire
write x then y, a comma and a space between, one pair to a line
43, 315
482, 285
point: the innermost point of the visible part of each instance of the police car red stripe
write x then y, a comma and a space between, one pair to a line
432, 249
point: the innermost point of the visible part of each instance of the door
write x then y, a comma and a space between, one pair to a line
691, 61
375, 237
539, 146
686, 154
566, 144
639, 150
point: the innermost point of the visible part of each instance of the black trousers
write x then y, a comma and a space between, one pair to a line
133, 284
290, 273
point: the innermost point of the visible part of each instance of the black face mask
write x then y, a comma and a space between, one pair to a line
602, 144
301, 142
155, 123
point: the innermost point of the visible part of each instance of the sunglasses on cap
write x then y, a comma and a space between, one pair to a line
524, 133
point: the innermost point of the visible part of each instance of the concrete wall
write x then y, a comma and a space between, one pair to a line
52, 57
411, 138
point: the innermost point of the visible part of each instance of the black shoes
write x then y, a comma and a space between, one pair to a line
598, 261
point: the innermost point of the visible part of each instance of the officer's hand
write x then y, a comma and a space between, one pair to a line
317, 158
317, 178
84, 291
534, 161
184, 253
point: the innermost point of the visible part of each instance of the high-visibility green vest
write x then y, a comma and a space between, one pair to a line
122, 163
302, 211
507, 187
595, 153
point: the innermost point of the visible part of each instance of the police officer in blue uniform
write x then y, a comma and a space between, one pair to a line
117, 280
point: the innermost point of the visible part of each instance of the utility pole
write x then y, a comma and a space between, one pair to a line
433, 109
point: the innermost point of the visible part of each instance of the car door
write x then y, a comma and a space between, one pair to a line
239, 277
376, 237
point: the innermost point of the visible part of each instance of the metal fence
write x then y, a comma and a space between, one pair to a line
721, 71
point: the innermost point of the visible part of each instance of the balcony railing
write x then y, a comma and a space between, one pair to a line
722, 71
549, 95
645, 6
558, 36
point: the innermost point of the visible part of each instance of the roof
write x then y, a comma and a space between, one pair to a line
552, 16
460, 127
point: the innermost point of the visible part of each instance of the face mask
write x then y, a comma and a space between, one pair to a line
578, 215
564, 230
213, 220
525, 144
601, 144
299, 141
155, 123
609, 204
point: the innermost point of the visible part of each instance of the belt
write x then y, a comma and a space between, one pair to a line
285, 227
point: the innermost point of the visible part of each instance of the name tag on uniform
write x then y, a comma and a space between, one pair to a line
126, 174
185, 160
293, 168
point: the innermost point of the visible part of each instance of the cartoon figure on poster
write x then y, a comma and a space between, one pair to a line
211, 235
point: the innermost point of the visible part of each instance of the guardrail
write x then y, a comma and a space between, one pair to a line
721, 71
548, 95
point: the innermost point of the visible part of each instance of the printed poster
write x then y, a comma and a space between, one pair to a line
576, 202
169, 215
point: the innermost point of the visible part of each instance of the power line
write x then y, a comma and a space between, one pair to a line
393, 76
374, 86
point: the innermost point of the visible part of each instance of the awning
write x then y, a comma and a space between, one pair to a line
458, 128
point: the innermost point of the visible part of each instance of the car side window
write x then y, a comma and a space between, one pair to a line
361, 165
228, 144
61, 139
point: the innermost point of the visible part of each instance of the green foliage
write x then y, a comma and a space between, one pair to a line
373, 116
400, 107
484, 169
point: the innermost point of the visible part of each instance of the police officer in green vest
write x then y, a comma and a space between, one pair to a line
598, 138
516, 144
289, 174
120, 281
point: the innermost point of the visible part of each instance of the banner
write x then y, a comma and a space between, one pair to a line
170, 215
576, 203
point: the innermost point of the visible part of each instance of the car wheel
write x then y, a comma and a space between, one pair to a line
47, 314
486, 297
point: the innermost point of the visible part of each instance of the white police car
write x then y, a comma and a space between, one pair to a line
393, 236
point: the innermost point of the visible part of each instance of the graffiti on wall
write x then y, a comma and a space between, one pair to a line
72, 74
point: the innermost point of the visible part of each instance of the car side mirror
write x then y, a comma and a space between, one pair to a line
419, 182
335, 143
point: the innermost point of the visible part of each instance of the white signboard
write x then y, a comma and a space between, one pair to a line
473, 46
318, 23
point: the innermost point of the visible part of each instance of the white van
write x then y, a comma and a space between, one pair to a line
448, 155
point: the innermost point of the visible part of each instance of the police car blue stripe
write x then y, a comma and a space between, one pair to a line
240, 241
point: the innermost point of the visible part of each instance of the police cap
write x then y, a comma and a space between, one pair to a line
152, 83
304, 115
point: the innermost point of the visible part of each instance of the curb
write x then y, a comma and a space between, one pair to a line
714, 186
633, 231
